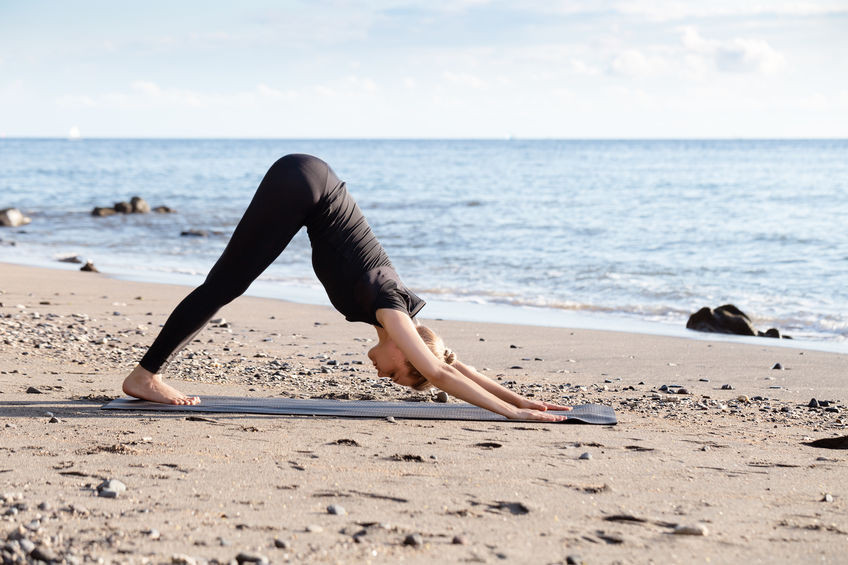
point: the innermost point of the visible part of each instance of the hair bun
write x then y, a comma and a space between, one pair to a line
450, 356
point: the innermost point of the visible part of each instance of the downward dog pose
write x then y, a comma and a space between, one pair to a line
297, 191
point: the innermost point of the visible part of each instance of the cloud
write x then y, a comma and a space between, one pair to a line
464, 79
632, 63
735, 55
669, 10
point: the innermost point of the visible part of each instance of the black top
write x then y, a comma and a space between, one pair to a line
349, 261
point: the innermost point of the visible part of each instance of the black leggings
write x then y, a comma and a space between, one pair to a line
281, 206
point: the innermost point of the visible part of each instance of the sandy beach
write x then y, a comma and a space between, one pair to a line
714, 475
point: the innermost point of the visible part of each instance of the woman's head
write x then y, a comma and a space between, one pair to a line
437, 346
391, 363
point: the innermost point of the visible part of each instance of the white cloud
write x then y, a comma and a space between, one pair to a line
735, 55
669, 10
632, 63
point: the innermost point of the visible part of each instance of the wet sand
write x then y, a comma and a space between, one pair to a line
728, 462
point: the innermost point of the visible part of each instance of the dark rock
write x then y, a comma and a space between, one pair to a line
459, 540
831, 409
441, 396
282, 544
336, 510
139, 205
123, 207
251, 558
664, 388
194, 233
89, 267
70, 259
44, 554
771, 332
100, 212
813, 403
574, 560
727, 319
830, 443
682, 391
164, 210
726, 387
415, 540
777, 367
33, 390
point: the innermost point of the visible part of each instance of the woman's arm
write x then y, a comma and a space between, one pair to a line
504, 393
402, 331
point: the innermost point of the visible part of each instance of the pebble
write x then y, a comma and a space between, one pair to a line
683, 391
26, 545
415, 540
441, 396
690, 530
459, 540
585, 456
726, 387
33, 390
54, 420
574, 560
43, 554
111, 488
827, 498
391, 420
743, 398
704, 380
251, 558
813, 403
336, 510
705, 448
281, 544
314, 529
182, 559
777, 367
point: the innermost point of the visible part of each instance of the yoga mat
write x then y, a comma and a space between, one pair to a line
585, 414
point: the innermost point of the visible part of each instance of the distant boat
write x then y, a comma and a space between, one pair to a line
74, 133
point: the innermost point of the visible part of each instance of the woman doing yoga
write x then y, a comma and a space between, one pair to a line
297, 191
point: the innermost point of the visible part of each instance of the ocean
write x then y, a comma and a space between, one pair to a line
630, 235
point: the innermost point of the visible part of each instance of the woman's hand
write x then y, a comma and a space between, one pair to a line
542, 406
538, 415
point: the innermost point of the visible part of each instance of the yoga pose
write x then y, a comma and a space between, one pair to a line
297, 191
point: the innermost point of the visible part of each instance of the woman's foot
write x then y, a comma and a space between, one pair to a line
143, 384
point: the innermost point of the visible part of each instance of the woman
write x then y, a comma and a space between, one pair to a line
297, 191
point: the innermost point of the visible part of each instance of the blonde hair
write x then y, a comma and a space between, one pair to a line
437, 346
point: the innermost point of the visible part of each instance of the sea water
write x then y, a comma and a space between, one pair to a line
611, 234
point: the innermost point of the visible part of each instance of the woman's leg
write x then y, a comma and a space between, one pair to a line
279, 209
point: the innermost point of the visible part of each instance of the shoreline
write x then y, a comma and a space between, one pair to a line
728, 463
461, 311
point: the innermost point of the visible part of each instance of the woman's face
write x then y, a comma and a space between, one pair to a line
390, 363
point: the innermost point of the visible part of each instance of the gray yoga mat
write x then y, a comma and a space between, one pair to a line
585, 414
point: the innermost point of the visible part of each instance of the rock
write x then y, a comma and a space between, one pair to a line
690, 530
89, 267
12, 218
281, 544
459, 540
54, 420
727, 319
574, 560
773, 332
585, 456
813, 403
251, 558
441, 396
139, 205
182, 559
100, 212
111, 488
314, 529
664, 388
682, 391
164, 210
33, 390
70, 259
744, 399
336, 510
44, 554
45, 507
391, 420
26, 546
194, 233
726, 387
777, 367
827, 498
123, 207
414, 540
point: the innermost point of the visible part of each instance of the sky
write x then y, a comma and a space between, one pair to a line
424, 69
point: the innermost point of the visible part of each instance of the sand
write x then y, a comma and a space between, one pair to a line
728, 463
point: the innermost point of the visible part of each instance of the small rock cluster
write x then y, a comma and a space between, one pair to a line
136, 205
12, 218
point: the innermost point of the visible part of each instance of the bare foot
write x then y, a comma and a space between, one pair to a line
143, 384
